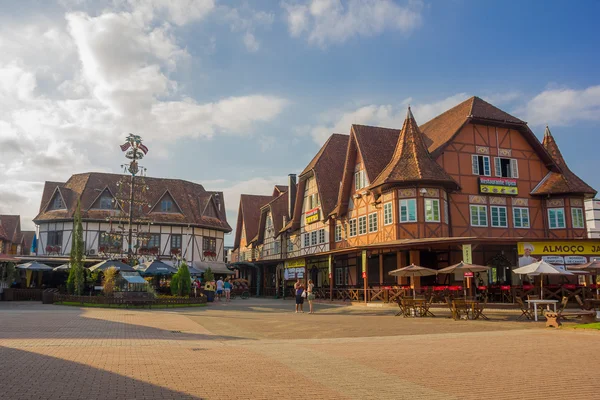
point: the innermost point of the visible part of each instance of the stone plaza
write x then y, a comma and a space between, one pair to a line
261, 349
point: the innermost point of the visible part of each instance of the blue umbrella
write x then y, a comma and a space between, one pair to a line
34, 244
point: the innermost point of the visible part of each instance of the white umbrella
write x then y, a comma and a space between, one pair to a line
541, 268
34, 266
411, 271
64, 267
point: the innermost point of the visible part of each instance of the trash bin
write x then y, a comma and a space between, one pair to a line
210, 295
48, 296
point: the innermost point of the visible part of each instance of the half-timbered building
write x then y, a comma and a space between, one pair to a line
173, 219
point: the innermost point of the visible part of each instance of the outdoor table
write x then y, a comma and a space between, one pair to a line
418, 305
535, 304
471, 308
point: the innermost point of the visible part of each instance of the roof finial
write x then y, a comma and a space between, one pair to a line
547, 133
409, 114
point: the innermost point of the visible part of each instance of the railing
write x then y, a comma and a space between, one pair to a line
128, 300
23, 294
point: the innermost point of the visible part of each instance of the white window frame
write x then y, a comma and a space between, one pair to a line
518, 221
362, 225
338, 233
475, 165
352, 224
556, 210
479, 207
360, 180
313, 238
432, 202
373, 222
492, 208
574, 218
321, 236
405, 203
388, 214
514, 167
307, 239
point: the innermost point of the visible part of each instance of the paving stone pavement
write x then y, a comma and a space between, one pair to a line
258, 349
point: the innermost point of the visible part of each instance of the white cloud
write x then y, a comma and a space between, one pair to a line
388, 115
563, 106
70, 88
247, 20
251, 43
332, 21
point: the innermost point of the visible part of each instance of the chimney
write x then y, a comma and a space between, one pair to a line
291, 194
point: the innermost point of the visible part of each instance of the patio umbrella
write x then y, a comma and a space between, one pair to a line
411, 271
34, 266
464, 267
106, 264
540, 268
64, 267
156, 267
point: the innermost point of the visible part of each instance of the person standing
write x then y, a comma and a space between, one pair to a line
310, 295
227, 288
299, 287
219, 288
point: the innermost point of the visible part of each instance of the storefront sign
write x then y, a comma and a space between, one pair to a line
312, 215
558, 260
571, 247
468, 274
467, 254
299, 273
295, 263
572, 260
289, 274
498, 186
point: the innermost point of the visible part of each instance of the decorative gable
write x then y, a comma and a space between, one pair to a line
211, 209
104, 201
57, 201
166, 204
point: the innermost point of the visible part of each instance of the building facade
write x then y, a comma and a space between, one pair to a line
592, 218
173, 219
14, 241
474, 180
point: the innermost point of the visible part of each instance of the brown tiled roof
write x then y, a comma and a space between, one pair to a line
328, 168
279, 209
411, 161
27, 239
376, 147
249, 216
441, 129
86, 187
294, 223
12, 227
278, 189
3, 235
564, 181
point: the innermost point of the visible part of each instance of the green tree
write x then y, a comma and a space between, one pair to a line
76, 280
181, 282
208, 275
110, 281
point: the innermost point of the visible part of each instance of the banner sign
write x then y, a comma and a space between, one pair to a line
570, 247
293, 273
312, 215
329, 264
468, 274
364, 261
467, 254
295, 263
498, 186
559, 260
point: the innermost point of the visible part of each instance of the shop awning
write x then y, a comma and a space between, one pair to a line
215, 266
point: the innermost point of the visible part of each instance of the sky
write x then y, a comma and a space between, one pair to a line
236, 95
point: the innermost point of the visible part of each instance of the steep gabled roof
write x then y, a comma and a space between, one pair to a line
12, 227
27, 239
376, 146
564, 181
84, 188
328, 168
278, 189
279, 209
3, 234
411, 161
249, 216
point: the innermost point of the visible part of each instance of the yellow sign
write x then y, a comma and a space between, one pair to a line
329, 263
498, 186
575, 247
295, 263
364, 261
312, 215
467, 254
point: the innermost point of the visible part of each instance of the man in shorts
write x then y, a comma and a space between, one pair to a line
219, 288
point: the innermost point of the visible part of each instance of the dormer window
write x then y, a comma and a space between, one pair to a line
106, 202
360, 180
166, 205
57, 203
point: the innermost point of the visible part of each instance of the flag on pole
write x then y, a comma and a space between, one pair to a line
143, 148
125, 146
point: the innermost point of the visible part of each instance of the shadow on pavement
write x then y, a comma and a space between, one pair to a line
34, 376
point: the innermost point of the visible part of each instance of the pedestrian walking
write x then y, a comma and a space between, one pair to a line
227, 286
300, 295
219, 288
310, 295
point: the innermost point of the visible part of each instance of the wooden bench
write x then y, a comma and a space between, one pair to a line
553, 318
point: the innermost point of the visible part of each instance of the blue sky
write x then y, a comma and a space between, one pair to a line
237, 94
